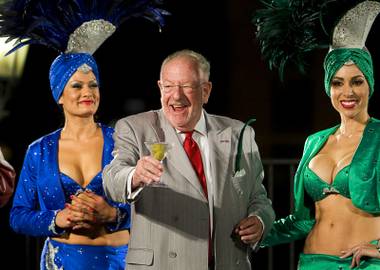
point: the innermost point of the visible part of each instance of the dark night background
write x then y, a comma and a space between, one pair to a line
129, 62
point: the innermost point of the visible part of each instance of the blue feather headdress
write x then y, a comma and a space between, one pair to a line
288, 30
53, 23
74, 28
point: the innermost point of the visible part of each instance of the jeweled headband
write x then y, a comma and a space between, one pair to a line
335, 59
64, 66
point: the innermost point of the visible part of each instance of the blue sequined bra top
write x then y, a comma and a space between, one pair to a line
318, 189
71, 187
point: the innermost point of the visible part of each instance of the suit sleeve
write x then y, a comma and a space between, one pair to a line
25, 215
115, 174
259, 203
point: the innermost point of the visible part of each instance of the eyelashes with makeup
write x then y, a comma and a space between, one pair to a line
354, 82
357, 82
336, 83
80, 86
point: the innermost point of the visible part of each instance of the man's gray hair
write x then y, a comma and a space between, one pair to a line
202, 62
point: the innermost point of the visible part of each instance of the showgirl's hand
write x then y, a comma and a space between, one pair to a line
81, 217
359, 251
249, 230
148, 170
94, 208
63, 218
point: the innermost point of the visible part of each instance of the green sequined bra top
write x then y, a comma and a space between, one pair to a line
318, 189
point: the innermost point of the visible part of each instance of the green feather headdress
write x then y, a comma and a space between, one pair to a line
288, 30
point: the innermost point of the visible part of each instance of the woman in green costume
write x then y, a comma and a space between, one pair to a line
337, 184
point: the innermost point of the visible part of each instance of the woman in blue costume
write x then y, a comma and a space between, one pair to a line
59, 194
337, 185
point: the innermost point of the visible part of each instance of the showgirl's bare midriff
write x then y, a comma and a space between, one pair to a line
340, 226
98, 237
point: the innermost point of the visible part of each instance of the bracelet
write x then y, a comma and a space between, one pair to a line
53, 227
120, 216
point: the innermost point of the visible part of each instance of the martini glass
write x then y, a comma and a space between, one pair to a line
158, 150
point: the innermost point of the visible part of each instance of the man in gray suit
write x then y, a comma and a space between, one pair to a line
190, 211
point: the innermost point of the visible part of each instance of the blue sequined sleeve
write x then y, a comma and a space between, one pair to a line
26, 216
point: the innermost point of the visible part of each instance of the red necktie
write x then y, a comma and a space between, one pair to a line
195, 157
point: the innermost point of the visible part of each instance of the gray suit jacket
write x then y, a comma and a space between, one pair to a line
170, 224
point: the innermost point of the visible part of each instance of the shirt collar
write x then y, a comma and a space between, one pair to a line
200, 127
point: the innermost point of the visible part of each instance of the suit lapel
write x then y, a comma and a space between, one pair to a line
220, 153
177, 156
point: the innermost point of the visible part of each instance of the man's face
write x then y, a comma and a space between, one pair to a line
183, 92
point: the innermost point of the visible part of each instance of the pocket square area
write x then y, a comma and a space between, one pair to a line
239, 173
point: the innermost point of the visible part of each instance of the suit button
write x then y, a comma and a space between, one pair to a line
172, 254
237, 262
